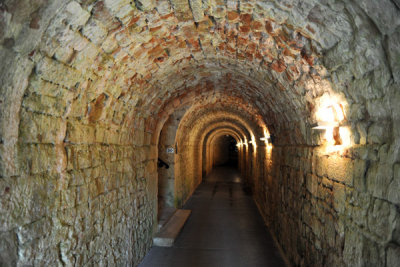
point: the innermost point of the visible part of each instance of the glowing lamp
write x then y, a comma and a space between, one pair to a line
330, 116
323, 125
329, 120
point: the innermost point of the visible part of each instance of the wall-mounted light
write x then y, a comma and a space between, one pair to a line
329, 116
268, 139
323, 125
329, 119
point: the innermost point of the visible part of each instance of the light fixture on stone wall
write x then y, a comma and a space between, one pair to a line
253, 141
329, 119
268, 139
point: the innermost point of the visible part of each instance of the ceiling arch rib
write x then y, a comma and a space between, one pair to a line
222, 131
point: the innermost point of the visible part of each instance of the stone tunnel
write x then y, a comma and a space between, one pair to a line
93, 92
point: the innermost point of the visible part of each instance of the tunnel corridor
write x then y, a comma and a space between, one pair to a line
114, 112
224, 229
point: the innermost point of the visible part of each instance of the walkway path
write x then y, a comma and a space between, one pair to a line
224, 229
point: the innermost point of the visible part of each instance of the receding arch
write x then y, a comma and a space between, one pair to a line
86, 87
222, 130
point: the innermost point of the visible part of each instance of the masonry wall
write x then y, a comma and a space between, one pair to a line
84, 83
188, 172
80, 185
327, 209
81, 203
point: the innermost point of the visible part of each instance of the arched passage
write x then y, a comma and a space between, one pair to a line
224, 151
86, 87
207, 147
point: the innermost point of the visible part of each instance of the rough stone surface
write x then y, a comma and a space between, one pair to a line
87, 86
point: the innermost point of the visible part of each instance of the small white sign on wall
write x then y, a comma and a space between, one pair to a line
170, 150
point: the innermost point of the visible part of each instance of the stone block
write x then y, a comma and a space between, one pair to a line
197, 10
378, 179
138, 137
122, 9
75, 15
39, 128
324, 193
181, 9
357, 112
110, 44
395, 110
381, 219
39, 158
102, 14
378, 109
385, 14
145, 5
77, 177
327, 182
329, 231
45, 88
78, 157
339, 198
362, 129
40, 190
393, 256
84, 59
8, 249
312, 184
359, 174
353, 248
34, 230
373, 253
78, 133
336, 168
45, 104
58, 73
95, 31
379, 132
394, 186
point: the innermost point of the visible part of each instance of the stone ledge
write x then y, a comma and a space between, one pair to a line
167, 235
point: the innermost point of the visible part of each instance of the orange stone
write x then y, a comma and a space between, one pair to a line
244, 29
278, 66
245, 19
256, 26
232, 15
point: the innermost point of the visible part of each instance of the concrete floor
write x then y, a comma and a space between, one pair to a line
224, 229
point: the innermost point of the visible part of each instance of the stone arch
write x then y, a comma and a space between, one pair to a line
207, 156
85, 85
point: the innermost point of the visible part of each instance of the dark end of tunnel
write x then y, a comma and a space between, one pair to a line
93, 92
